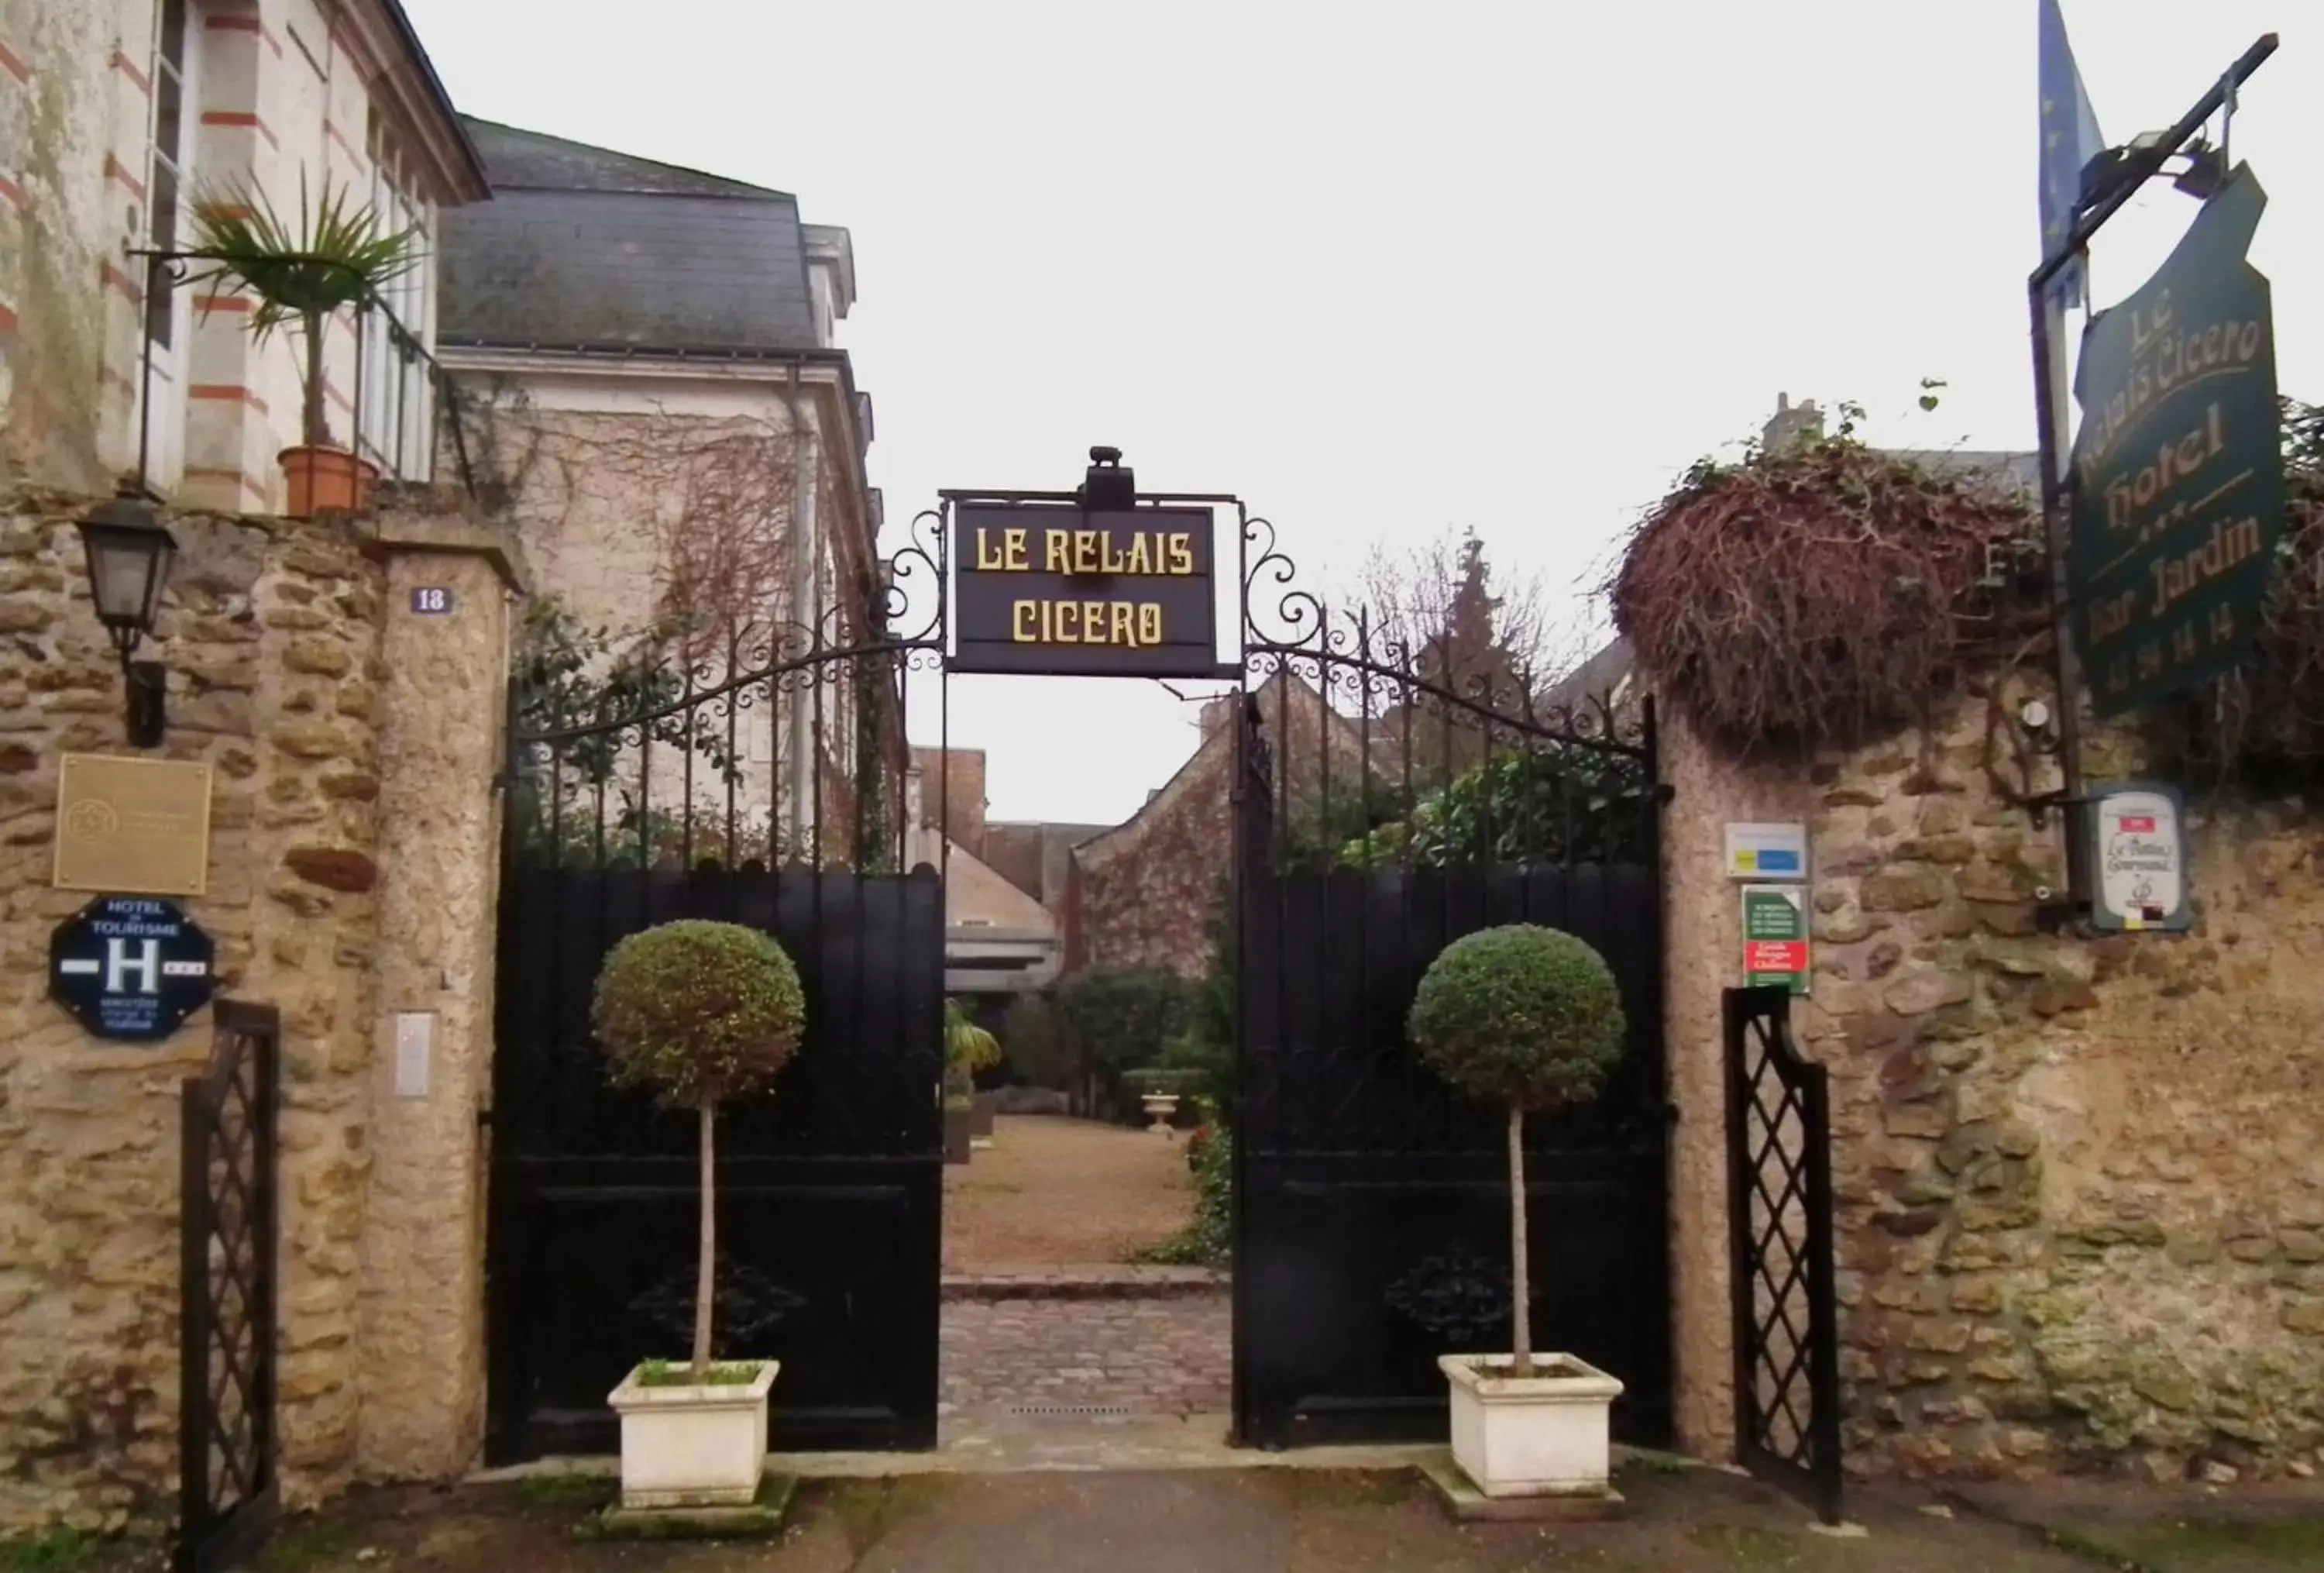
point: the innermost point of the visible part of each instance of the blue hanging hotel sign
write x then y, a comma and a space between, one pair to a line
130, 967
2178, 473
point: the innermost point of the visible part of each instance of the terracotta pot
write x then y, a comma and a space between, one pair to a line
325, 477
956, 1123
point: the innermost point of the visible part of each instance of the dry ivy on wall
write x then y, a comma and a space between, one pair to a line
1827, 594
1824, 592
714, 492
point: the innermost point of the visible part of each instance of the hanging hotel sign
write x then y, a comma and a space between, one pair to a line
2179, 483
2138, 851
131, 968
1059, 590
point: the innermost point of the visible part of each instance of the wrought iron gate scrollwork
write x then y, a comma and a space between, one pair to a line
1397, 787
228, 1492
1786, 1317
754, 775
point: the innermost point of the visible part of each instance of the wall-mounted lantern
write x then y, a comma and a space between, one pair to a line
130, 554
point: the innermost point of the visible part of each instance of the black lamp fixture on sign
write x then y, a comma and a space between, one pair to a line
129, 558
1110, 486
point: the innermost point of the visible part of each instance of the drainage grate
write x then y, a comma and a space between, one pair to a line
1052, 1411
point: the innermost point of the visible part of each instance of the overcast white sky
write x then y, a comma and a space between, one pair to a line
1385, 269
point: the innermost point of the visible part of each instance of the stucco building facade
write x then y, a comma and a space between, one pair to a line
115, 117
658, 403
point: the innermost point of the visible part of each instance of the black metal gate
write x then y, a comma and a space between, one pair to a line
227, 1494
760, 784
1779, 1229
1391, 799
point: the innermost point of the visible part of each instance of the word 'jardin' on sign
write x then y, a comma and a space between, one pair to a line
2180, 493
1056, 589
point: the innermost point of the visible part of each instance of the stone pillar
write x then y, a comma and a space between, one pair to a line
1703, 957
451, 589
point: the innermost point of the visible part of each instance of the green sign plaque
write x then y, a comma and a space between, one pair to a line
1775, 936
2179, 483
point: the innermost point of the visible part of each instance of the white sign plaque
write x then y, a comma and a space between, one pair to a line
415, 1051
2138, 857
1765, 852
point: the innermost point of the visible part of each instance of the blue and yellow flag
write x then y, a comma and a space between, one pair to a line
2070, 140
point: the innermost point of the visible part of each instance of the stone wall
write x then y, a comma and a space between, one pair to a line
2080, 1181
1143, 894
273, 636
952, 788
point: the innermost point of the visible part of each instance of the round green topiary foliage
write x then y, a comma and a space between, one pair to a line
698, 1011
1521, 1014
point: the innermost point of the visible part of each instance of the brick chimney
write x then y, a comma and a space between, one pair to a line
1791, 423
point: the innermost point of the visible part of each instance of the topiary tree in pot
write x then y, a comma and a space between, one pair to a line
1529, 1018
702, 1013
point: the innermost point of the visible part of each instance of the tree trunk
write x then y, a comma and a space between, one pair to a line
316, 422
705, 1277
1520, 1317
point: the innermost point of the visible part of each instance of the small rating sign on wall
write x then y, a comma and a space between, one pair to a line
1775, 936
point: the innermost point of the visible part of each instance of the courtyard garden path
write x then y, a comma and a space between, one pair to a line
1043, 1319
1053, 1192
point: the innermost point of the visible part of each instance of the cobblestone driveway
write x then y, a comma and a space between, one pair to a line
1155, 1356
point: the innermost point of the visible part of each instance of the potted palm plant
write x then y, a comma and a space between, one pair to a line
340, 253
700, 1012
968, 1048
1532, 1019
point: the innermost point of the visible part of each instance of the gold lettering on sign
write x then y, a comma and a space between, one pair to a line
2177, 577
1130, 624
139, 826
2113, 615
2173, 463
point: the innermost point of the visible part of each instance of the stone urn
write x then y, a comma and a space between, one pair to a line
1160, 1107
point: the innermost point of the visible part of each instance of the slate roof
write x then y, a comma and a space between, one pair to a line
2021, 470
582, 247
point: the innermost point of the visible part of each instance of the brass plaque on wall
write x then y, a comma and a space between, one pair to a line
133, 826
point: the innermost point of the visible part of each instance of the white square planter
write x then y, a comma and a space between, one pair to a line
1545, 1434
693, 1447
